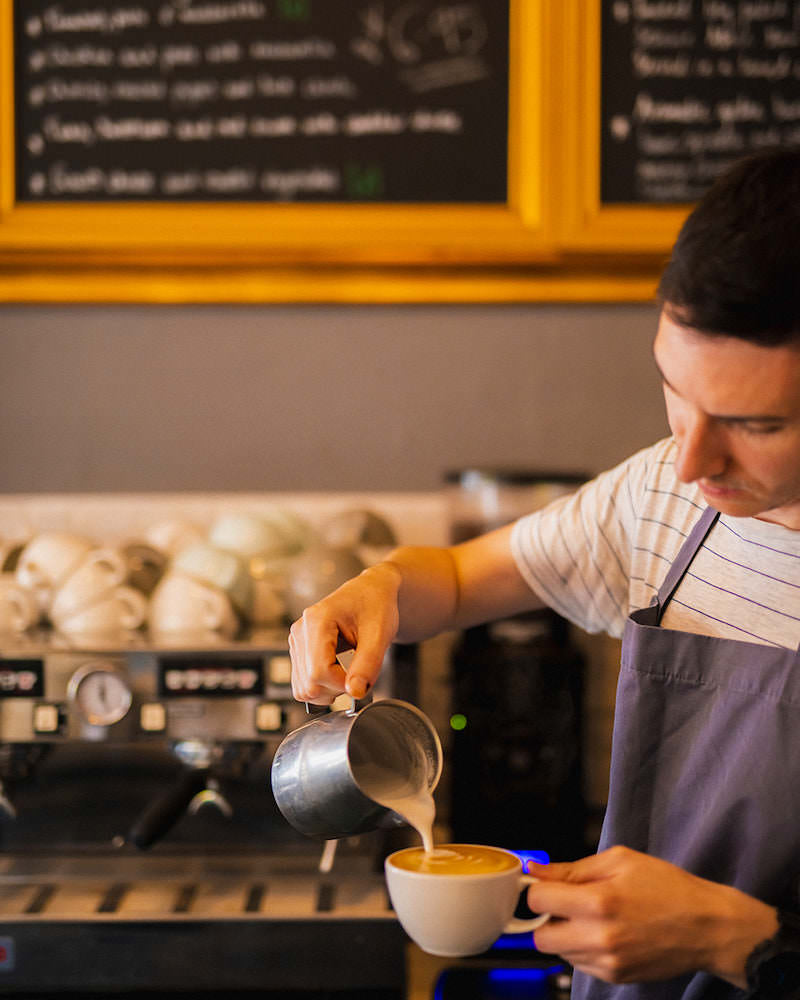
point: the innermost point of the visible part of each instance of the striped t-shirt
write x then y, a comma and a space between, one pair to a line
598, 554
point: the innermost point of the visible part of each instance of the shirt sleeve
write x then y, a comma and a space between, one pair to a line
576, 553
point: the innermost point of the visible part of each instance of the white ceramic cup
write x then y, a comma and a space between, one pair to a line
49, 558
269, 602
183, 604
220, 568
245, 533
367, 534
172, 534
119, 608
358, 526
19, 608
92, 579
459, 914
315, 573
270, 580
294, 532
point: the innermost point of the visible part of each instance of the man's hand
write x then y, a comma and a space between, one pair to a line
362, 615
417, 592
623, 916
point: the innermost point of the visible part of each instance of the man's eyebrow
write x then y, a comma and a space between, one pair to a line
736, 418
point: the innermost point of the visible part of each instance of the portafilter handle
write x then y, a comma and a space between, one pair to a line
6, 805
210, 796
166, 809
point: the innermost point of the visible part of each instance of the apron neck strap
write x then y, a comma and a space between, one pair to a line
683, 560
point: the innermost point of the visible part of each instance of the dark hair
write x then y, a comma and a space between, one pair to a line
735, 266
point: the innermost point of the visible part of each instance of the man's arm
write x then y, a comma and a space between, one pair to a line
453, 588
415, 593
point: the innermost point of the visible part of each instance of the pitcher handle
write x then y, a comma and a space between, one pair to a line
345, 658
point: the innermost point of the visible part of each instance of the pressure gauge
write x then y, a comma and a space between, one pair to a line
100, 693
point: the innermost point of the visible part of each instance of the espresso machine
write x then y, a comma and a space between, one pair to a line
141, 851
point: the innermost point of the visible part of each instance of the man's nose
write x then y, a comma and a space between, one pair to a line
700, 453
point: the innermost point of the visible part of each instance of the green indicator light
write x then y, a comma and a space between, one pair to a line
458, 722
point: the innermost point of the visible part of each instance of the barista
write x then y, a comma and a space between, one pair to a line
691, 551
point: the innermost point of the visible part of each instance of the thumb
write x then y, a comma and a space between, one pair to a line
553, 871
586, 869
362, 666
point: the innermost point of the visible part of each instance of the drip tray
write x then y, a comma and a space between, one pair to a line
174, 889
157, 923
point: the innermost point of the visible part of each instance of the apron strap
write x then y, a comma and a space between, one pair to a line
683, 560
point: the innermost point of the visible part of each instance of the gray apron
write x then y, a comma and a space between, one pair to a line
705, 765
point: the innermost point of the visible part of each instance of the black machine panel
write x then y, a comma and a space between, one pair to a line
516, 762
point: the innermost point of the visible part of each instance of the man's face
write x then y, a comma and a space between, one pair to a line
734, 410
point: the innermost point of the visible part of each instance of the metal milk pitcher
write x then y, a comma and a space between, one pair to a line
325, 772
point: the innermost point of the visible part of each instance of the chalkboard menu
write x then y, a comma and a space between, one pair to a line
688, 86
261, 100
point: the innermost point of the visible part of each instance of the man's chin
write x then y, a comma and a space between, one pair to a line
746, 505
735, 502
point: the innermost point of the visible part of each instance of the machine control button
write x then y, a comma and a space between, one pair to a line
153, 717
280, 670
269, 717
46, 718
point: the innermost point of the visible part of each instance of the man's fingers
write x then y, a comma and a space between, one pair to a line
571, 888
320, 673
588, 869
317, 677
562, 899
559, 937
365, 665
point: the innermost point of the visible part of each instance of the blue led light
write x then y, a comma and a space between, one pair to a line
522, 975
540, 857
498, 983
516, 942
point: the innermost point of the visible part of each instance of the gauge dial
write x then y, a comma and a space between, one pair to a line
100, 694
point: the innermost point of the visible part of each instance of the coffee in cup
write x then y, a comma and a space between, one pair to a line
459, 898
456, 859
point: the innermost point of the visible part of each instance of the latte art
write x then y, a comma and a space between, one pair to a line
455, 859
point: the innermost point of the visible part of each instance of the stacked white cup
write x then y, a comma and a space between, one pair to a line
205, 589
94, 597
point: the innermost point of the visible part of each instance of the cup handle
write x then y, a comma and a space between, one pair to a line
112, 561
214, 607
22, 608
134, 606
517, 926
32, 575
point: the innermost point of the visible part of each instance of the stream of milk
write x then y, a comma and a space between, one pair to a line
402, 795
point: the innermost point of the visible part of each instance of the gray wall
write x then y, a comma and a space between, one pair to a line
116, 398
